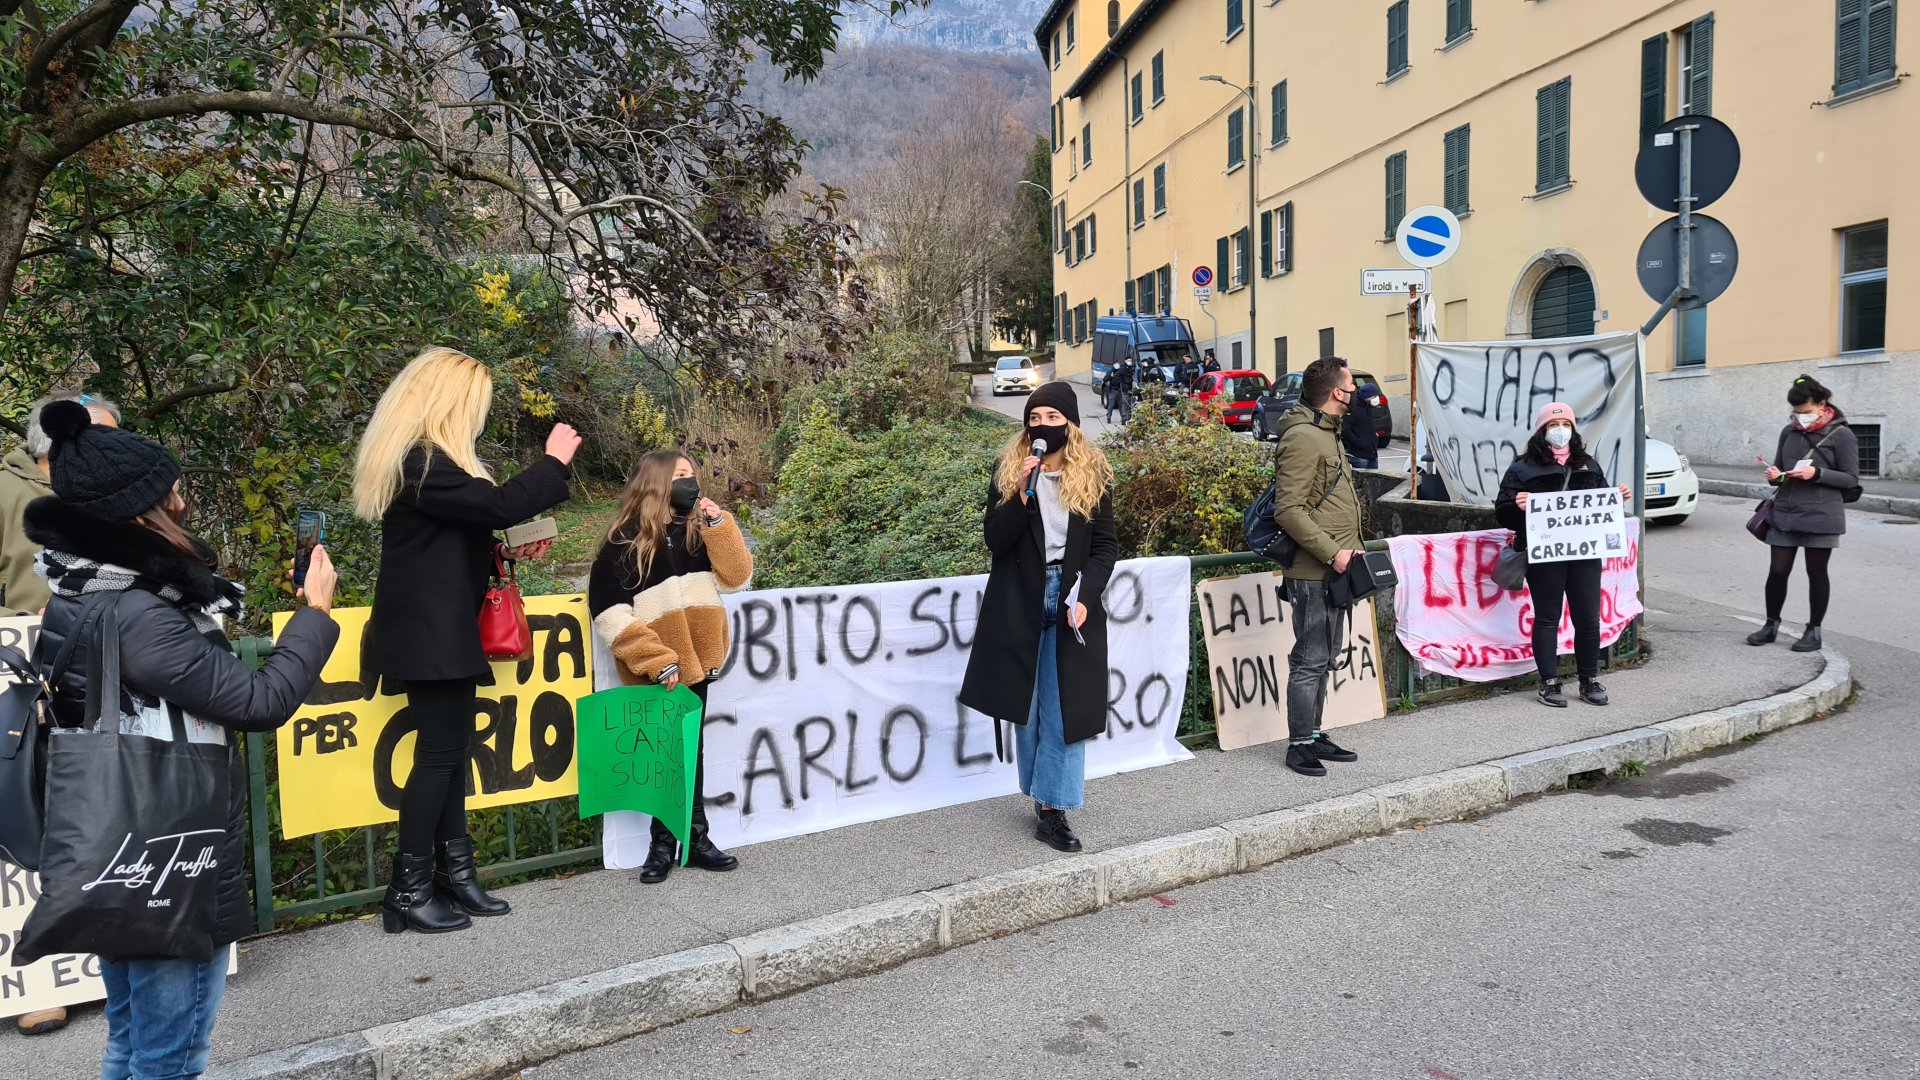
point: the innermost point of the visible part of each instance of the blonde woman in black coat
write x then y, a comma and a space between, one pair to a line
419, 476
1036, 662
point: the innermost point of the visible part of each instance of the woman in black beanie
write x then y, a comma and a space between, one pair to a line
1049, 528
111, 539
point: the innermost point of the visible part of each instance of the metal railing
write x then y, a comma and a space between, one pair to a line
314, 888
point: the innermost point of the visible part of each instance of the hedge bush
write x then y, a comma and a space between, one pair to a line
1182, 481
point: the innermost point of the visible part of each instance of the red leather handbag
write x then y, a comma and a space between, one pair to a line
504, 633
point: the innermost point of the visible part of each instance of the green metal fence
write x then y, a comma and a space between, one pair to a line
336, 872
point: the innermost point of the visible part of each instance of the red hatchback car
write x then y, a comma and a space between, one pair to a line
1236, 392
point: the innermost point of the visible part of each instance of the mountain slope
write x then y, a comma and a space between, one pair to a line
996, 26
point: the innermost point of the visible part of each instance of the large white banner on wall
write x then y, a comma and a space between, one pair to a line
1478, 400
839, 705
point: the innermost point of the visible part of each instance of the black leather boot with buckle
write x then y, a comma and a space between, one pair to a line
411, 902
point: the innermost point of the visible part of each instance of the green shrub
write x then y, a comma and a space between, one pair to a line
1182, 481
891, 506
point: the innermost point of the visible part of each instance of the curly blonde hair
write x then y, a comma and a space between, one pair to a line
1084, 477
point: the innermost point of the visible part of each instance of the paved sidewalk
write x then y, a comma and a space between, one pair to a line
298, 987
1749, 481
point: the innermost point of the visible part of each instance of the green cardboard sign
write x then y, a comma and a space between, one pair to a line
636, 751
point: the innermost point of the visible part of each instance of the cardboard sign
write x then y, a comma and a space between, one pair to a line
1248, 629
638, 747
1567, 525
345, 756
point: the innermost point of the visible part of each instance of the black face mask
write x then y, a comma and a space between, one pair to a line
686, 492
1055, 434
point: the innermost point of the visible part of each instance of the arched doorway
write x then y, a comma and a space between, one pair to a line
1563, 304
1555, 295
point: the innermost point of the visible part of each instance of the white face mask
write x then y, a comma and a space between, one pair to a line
1559, 437
1806, 419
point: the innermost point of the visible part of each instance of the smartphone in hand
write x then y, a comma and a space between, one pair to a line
309, 532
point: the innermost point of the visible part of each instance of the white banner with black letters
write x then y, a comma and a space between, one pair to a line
839, 705
1478, 401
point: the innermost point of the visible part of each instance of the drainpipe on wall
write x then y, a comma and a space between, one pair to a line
1253, 170
1126, 169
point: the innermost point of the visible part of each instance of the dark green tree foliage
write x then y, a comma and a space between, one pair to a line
1025, 286
613, 130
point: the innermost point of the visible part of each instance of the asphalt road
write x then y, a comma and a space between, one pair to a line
1747, 914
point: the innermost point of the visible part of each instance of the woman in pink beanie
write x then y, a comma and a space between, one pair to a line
1556, 460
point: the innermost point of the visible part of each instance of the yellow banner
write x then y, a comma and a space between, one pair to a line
345, 756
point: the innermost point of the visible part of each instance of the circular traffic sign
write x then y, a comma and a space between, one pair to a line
1715, 258
1428, 236
1716, 161
1202, 276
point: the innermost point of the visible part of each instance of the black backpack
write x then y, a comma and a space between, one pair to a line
1264, 535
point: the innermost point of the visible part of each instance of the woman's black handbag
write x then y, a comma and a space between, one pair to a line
1761, 523
1367, 573
26, 706
1510, 568
23, 768
130, 863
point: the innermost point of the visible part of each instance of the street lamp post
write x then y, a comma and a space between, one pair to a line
1253, 164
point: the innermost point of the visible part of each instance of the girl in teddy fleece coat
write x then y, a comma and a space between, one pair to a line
655, 597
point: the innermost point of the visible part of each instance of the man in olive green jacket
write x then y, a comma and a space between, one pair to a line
1315, 503
23, 478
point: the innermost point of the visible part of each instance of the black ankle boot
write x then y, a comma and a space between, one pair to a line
703, 854
660, 859
456, 883
1809, 641
411, 903
1052, 829
1766, 634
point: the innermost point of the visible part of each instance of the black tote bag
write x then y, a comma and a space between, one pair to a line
136, 828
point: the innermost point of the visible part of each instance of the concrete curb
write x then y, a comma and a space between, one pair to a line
496, 1036
1872, 504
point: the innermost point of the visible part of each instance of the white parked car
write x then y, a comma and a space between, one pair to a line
1673, 489
1015, 375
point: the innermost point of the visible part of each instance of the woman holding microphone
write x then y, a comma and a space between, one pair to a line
1039, 660
654, 593
419, 476
1556, 460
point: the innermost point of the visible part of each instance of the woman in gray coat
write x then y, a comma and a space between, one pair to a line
1814, 466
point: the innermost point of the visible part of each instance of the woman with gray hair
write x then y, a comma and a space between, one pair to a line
23, 478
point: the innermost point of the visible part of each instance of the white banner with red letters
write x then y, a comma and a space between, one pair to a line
1455, 620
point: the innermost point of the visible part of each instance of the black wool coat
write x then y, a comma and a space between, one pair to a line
436, 553
165, 656
1006, 647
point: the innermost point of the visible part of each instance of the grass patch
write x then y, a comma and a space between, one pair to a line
1630, 768
583, 521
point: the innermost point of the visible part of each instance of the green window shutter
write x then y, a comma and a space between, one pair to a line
1397, 38
1279, 112
1454, 170
1396, 190
1879, 50
1284, 217
1222, 256
1138, 95
1850, 46
1553, 152
1091, 226
1159, 187
1266, 244
1236, 138
1653, 84
1236, 18
1459, 18
1130, 307
1563, 132
1159, 75
1701, 46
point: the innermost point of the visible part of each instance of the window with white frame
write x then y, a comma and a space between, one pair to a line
1863, 288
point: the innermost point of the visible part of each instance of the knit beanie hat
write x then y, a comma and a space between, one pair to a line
1553, 410
104, 471
1058, 395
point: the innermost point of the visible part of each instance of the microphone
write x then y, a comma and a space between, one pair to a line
1039, 451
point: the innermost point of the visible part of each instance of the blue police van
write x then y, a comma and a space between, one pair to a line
1156, 342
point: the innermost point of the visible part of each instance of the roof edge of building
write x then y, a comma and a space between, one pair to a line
1115, 48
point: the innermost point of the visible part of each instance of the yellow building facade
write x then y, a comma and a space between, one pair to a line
1524, 117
